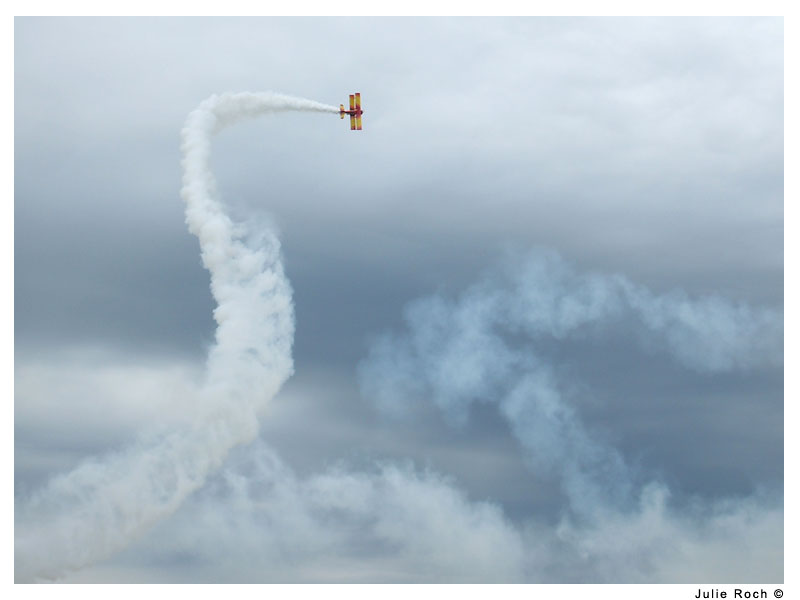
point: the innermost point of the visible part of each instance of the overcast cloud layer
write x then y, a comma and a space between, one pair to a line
532, 313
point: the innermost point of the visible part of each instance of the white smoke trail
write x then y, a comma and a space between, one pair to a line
97, 509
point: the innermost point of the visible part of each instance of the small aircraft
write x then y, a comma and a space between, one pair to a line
355, 111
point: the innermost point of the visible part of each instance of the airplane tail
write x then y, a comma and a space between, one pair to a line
341, 111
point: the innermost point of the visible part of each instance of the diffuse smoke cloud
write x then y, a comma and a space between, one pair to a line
389, 523
98, 508
262, 522
485, 346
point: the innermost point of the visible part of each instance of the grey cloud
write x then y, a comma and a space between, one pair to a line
649, 147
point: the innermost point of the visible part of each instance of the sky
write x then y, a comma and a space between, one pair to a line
526, 326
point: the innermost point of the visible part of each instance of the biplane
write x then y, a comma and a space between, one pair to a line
355, 111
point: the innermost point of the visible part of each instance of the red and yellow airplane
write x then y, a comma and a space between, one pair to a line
355, 111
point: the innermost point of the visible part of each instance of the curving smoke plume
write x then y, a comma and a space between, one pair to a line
83, 516
490, 346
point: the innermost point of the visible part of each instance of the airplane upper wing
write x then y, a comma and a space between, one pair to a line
354, 112
358, 111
